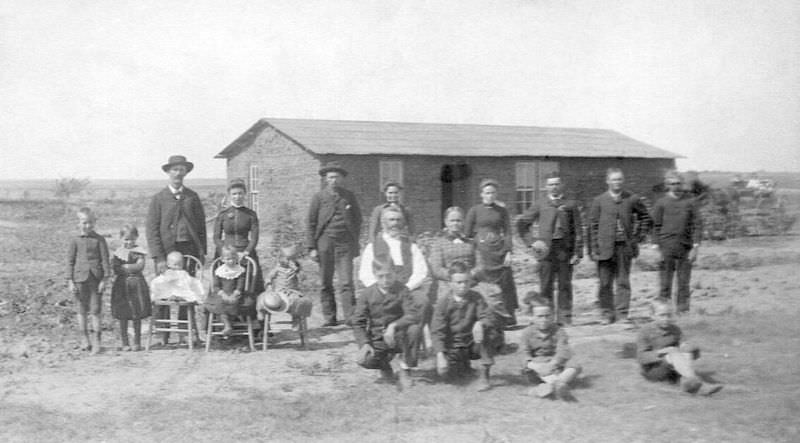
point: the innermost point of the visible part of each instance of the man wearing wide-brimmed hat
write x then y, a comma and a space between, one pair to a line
176, 220
334, 226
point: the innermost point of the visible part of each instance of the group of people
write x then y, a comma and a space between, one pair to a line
456, 297
176, 228
462, 289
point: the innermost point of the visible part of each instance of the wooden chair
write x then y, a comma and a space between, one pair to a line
176, 325
240, 328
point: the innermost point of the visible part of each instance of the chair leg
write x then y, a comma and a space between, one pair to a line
209, 336
149, 334
302, 328
190, 320
265, 333
250, 334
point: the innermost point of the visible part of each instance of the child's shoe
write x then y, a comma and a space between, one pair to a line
709, 389
542, 390
690, 384
561, 390
387, 376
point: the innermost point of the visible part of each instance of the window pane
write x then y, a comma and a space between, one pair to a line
390, 171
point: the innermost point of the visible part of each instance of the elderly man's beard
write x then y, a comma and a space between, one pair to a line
394, 231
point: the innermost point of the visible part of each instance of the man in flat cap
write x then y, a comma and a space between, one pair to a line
176, 221
334, 226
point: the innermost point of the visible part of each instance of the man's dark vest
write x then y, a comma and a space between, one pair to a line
380, 250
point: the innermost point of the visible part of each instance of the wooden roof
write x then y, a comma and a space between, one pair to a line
457, 140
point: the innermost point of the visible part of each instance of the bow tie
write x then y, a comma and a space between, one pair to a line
555, 202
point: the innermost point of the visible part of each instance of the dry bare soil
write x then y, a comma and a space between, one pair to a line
744, 316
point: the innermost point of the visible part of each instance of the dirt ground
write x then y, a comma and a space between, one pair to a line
745, 307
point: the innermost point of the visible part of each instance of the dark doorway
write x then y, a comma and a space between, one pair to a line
456, 188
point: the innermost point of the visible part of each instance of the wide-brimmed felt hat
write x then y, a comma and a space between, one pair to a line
178, 160
274, 302
332, 167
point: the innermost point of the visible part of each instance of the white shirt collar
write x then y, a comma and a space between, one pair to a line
174, 190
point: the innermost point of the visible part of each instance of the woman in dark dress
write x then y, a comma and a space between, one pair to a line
237, 226
489, 225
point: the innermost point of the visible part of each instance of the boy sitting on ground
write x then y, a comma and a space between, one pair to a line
387, 320
663, 357
464, 329
547, 354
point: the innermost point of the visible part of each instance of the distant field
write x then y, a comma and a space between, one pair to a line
783, 180
100, 189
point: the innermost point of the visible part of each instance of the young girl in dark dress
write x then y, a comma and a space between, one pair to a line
130, 296
228, 285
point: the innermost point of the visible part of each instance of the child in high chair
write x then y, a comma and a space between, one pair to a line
547, 353
175, 284
87, 271
130, 296
283, 282
227, 287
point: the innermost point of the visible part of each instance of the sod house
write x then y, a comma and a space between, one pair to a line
439, 165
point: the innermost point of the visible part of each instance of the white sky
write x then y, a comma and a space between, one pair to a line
111, 89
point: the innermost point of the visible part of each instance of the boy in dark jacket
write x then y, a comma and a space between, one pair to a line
388, 320
464, 329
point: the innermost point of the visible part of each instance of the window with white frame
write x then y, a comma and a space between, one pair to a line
254, 187
390, 171
530, 181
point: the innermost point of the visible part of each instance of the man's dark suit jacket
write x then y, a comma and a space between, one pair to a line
162, 222
633, 216
323, 206
546, 212
87, 256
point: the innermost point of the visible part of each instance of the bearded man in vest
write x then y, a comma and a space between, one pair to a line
393, 245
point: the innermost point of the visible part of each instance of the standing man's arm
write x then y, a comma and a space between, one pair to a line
357, 217
643, 220
696, 225
594, 228
154, 241
577, 237
509, 242
200, 217
658, 221
311, 225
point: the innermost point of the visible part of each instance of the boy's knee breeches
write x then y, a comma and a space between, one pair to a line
88, 296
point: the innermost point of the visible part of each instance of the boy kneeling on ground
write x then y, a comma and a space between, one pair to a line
388, 320
547, 354
464, 329
663, 357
